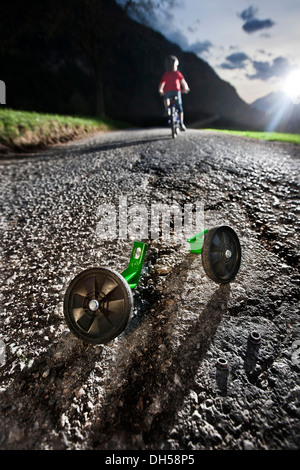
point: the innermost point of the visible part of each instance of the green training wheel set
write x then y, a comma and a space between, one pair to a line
99, 301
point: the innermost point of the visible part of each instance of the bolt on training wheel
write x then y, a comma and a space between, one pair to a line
97, 305
221, 254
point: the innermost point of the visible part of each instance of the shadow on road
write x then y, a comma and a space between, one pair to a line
118, 144
158, 376
76, 148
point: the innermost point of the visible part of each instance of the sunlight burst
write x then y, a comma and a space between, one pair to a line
291, 86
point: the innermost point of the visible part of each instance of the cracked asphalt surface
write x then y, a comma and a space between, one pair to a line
155, 386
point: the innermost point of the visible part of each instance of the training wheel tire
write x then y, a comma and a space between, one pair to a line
97, 305
221, 254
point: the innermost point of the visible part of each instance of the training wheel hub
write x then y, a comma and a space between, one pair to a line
96, 304
93, 305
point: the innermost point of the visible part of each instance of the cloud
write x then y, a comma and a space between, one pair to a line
164, 21
262, 70
194, 28
248, 14
178, 38
255, 25
200, 47
266, 70
235, 61
252, 23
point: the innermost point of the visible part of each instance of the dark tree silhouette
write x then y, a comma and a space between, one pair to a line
91, 29
87, 29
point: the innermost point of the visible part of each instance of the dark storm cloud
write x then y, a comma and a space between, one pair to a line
252, 23
248, 14
199, 47
237, 57
229, 66
266, 70
263, 70
235, 61
178, 38
255, 25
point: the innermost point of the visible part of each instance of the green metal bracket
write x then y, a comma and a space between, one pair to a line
133, 272
196, 242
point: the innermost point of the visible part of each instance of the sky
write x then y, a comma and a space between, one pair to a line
252, 45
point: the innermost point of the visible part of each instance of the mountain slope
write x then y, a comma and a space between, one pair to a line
52, 74
141, 53
280, 112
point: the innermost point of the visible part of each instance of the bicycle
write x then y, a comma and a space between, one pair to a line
174, 114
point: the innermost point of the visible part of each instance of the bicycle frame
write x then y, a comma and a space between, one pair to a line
173, 114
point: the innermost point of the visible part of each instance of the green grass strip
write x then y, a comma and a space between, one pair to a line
271, 136
21, 130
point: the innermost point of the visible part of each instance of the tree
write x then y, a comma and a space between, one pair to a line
84, 24
88, 27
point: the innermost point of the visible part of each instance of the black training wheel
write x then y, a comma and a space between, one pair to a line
97, 305
221, 254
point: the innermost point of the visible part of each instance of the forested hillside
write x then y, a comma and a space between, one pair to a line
89, 58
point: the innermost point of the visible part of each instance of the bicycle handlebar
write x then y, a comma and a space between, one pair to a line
183, 91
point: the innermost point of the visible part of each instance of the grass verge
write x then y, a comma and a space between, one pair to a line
24, 130
272, 136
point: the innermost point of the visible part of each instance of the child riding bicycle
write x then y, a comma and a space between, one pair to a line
171, 84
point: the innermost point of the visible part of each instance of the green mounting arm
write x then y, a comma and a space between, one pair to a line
196, 242
133, 272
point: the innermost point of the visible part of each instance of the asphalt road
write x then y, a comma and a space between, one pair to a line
156, 385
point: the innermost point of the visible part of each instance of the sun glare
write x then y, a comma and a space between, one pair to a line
291, 86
